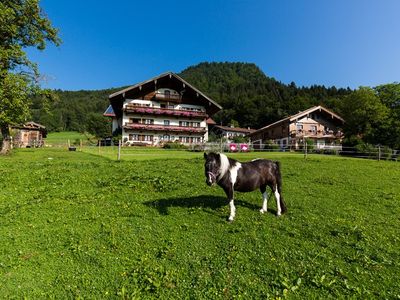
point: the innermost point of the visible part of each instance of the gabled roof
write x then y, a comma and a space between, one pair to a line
34, 125
210, 122
109, 112
300, 115
30, 125
311, 110
212, 106
235, 129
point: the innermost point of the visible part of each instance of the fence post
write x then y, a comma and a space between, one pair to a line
305, 148
379, 152
119, 149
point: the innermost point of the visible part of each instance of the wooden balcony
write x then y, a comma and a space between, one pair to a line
167, 97
165, 128
316, 134
164, 111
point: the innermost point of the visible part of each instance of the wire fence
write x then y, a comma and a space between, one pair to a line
119, 150
366, 152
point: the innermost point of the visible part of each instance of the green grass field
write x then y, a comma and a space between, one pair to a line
60, 139
80, 225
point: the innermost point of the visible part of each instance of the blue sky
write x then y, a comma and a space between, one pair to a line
116, 43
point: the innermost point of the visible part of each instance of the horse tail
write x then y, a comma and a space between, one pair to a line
279, 186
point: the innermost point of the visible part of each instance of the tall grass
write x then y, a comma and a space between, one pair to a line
75, 224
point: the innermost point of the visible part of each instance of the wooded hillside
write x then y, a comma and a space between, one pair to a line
249, 99
248, 96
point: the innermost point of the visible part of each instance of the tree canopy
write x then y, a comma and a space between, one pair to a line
22, 24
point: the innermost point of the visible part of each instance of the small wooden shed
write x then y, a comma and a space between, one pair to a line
29, 135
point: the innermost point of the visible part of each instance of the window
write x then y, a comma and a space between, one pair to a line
299, 126
148, 138
134, 120
313, 128
133, 137
196, 139
148, 121
189, 124
184, 139
142, 104
166, 122
184, 123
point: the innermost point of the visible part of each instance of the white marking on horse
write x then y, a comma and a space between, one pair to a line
265, 202
234, 172
224, 166
233, 210
278, 201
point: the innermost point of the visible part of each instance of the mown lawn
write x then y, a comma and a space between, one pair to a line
74, 224
60, 139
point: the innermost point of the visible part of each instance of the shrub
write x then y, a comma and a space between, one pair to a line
386, 153
174, 145
366, 150
271, 146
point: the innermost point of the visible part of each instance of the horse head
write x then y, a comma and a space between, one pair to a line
211, 166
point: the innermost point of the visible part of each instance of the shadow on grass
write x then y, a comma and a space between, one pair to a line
202, 201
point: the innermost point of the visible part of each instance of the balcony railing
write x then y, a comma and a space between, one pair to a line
165, 111
167, 97
169, 128
316, 134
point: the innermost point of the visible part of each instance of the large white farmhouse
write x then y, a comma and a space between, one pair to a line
163, 109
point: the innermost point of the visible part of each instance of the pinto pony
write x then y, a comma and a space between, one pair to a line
232, 176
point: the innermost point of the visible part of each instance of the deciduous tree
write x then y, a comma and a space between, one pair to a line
23, 24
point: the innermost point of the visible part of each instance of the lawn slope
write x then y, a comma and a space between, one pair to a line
74, 224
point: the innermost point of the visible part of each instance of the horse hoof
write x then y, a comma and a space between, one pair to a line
262, 211
230, 219
278, 214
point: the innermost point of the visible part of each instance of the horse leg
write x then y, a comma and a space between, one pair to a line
229, 193
265, 199
278, 200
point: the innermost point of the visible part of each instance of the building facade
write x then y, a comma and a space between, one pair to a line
163, 109
318, 124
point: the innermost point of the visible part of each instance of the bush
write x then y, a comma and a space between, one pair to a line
116, 139
367, 150
271, 146
174, 145
386, 153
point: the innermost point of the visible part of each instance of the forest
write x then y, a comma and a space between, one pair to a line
249, 99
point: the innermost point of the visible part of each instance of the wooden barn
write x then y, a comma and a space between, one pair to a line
28, 135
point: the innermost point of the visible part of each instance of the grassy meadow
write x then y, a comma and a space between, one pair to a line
82, 225
60, 139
